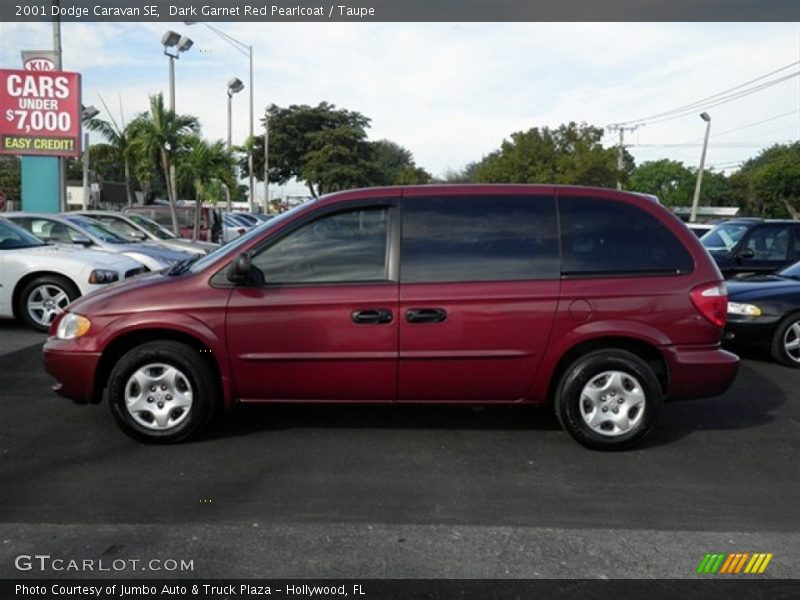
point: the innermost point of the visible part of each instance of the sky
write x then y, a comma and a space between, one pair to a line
452, 92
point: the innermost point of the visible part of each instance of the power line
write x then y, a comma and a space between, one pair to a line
726, 99
748, 125
700, 103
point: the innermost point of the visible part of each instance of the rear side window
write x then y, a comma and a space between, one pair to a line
605, 237
477, 238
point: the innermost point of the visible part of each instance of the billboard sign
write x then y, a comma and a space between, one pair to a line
40, 112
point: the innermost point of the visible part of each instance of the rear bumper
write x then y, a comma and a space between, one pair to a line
699, 371
74, 371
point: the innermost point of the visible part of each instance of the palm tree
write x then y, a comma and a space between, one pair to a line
120, 140
201, 164
158, 136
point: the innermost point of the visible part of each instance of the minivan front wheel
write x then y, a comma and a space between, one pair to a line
162, 392
608, 399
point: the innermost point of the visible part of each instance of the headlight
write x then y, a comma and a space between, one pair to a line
103, 276
72, 326
746, 310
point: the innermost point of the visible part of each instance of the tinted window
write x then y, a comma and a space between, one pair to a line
16, 237
600, 236
118, 226
771, 242
344, 247
479, 239
724, 237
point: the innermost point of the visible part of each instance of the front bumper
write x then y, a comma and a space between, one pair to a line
73, 370
755, 333
699, 371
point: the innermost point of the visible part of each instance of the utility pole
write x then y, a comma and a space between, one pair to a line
621, 147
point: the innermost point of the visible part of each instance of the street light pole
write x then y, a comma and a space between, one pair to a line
266, 162
171, 82
235, 86
247, 50
62, 163
249, 146
180, 43
696, 200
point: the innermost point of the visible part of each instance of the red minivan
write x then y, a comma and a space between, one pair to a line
597, 301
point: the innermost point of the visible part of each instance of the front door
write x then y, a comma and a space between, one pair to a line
324, 325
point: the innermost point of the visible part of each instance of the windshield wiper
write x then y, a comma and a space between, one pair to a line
183, 266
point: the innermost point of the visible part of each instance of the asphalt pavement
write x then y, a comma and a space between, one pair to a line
401, 491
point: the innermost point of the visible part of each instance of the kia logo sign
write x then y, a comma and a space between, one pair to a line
39, 63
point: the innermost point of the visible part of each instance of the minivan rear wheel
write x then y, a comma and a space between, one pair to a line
162, 392
608, 399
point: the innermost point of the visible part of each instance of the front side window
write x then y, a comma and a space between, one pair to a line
344, 247
724, 237
604, 237
479, 238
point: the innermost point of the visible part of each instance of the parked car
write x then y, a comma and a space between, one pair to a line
764, 314
138, 228
77, 229
232, 228
752, 246
210, 219
600, 302
38, 281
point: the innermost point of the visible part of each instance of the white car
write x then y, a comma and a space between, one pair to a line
38, 281
76, 229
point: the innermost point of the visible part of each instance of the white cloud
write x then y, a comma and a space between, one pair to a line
452, 92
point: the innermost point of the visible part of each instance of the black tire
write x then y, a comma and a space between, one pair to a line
589, 367
34, 320
778, 348
191, 366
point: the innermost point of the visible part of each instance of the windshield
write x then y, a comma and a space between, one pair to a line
97, 230
792, 271
152, 227
724, 237
13, 236
231, 247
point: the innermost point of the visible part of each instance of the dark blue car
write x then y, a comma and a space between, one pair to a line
764, 314
753, 246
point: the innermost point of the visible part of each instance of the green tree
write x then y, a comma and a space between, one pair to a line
322, 146
769, 184
670, 180
204, 165
120, 141
395, 165
10, 177
569, 154
157, 137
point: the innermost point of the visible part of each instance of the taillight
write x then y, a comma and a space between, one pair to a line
711, 300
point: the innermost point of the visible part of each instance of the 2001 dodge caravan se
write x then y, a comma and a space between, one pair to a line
601, 302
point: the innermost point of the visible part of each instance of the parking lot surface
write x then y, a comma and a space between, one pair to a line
401, 491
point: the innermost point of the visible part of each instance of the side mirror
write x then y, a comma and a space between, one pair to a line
140, 236
745, 254
83, 241
239, 270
